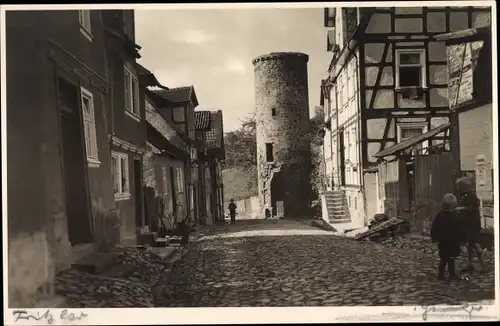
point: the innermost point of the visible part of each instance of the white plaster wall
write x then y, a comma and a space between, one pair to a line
476, 138
30, 266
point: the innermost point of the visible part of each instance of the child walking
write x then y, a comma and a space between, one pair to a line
470, 216
447, 231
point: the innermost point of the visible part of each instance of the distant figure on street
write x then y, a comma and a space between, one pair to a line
232, 211
447, 231
469, 212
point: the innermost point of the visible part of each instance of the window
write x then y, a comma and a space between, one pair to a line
269, 153
179, 178
349, 90
341, 93
353, 85
84, 18
410, 70
273, 112
131, 95
120, 175
179, 114
412, 129
128, 25
194, 153
164, 179
89, 128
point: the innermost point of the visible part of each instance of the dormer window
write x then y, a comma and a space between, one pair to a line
410, 69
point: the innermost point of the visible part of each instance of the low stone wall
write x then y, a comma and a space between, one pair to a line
248, 207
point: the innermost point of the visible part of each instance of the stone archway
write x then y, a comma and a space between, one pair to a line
277, 190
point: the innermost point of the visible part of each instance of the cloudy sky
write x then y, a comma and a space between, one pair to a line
213, 50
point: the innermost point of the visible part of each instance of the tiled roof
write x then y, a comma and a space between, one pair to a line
201, 120
177, 95
214, 134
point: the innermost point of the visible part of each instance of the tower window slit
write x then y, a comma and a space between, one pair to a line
269, 152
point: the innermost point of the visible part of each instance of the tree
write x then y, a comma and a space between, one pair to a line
241, 148
317, 122
241, 145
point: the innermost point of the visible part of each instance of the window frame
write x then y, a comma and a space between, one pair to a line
92, 153
121, 195
421, 64
184, 114
85, 24
131, 97
412, 126
179, 179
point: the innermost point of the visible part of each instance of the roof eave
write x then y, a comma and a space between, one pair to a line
462, 34
338, 63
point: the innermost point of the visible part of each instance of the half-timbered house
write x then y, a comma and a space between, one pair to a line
387, 83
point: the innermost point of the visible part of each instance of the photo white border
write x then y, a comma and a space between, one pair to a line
138, 316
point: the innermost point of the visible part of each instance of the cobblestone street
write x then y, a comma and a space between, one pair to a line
290, 263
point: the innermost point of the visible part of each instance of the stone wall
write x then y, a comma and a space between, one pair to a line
282, 118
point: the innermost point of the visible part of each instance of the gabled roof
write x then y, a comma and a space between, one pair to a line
202, 120
182, 94
147, 77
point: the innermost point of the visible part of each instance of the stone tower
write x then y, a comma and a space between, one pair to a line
283, 125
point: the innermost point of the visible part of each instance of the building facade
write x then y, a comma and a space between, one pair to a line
387, 82
469, 57
126, 123
177, 106
216, 155
282, 128
60, 192
203, 189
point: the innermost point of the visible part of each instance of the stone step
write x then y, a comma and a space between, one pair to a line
96, 263
345, 220
337, 208
330, 197
337, 217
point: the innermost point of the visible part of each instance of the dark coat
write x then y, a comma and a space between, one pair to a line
470, 215
232, 207
447, 230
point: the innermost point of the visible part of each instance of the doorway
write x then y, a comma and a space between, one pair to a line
74, 164
342, 156
277, 191
174, 194
138, 193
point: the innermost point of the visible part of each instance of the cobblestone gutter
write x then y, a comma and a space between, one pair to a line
132, 289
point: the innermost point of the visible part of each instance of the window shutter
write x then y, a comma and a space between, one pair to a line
127, 90
135, 96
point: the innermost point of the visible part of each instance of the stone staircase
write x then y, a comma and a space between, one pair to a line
335, 210
336, 207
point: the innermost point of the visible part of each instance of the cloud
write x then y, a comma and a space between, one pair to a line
235, 65
193, 36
